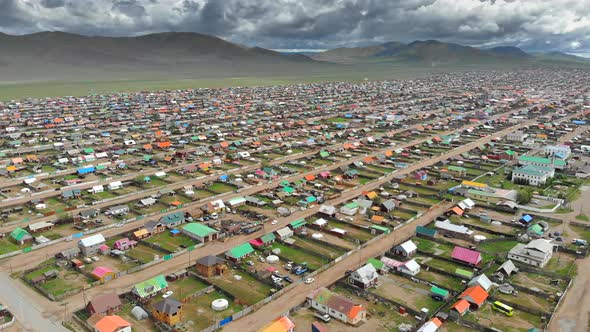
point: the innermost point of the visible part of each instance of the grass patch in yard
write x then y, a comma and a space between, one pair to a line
220, 187
561, 264
200, 313
298, 256
583, 217
186, 286
500, 247
144, 254
170, 243
6, 246
318, 248
247, 289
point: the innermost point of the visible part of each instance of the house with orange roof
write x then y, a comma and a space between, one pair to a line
164, 145
475, 295
459, 309
340, 307
112, 323
283, 324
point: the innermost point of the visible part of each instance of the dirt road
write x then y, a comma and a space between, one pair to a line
573, 315
298, 293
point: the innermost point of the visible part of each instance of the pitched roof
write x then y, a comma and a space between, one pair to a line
466, 255
210, 260
336, 302
481, 280
104, 302
168, 306
407, 246
240, 251
111, 324
150, 286
198, 229
19, 234
475, 294
92, 240
283, 324
461, 306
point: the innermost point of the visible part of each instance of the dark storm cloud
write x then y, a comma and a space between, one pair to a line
537, 25
53, 3
130, 8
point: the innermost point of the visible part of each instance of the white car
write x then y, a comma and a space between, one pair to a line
95, 258
309, 280
274, 222
167, 294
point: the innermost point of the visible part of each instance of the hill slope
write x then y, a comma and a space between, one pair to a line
435, 53
54, 55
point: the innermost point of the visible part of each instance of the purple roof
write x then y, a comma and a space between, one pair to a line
466, 255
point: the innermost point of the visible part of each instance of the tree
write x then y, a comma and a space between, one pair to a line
524, 196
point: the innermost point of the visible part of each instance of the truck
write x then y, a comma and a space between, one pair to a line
580, 242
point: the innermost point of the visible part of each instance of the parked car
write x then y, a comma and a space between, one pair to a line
324, 318
309, 280
168, 294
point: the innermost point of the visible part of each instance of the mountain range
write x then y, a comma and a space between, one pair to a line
439, 53
59, 55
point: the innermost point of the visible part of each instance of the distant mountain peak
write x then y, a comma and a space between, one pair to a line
508, 51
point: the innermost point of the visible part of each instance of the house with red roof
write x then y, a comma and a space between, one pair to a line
467, 256
103, 274
475, 295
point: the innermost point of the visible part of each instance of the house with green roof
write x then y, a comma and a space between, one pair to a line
173, 219
377, 229
350, 209
239, 252
150, 288
20, 236
308, 201
535, 231
377, 264
542, 161
200, 232
457, 170
425, 232
533, 175
440, 292
324, 154
297, 224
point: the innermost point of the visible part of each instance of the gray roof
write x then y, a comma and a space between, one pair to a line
508, 267
210, 260
168, 306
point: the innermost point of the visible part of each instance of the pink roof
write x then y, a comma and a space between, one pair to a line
466, 255
103, 247
271, 268
259, 172
391, 262
101, 271
256, 242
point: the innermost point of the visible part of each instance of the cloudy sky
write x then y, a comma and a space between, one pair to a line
534, 25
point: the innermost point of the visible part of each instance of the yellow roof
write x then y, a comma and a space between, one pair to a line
474, 184
140, 232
